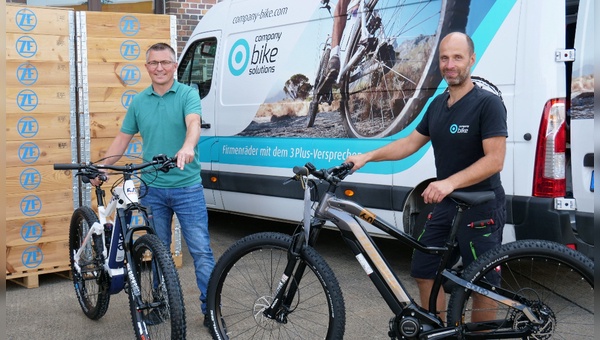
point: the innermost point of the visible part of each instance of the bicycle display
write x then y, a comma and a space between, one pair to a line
108, 254
272, 285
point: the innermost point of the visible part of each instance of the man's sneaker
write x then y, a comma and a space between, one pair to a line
206, 322
333, 68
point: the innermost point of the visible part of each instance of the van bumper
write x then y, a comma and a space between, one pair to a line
536, 218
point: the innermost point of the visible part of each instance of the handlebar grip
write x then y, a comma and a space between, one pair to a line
301, 170
67, 166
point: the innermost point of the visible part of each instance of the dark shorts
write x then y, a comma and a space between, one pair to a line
472, 241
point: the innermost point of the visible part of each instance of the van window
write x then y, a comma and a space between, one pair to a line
196, 67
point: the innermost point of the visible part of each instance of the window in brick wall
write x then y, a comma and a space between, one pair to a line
196, 66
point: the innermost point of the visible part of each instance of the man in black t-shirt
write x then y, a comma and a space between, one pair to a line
467, 129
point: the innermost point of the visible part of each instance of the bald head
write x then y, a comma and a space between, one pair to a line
457, 39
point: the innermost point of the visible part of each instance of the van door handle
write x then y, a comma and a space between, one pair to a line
588, 160
204, 125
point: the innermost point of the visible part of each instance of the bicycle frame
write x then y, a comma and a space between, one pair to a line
120, 207
345, 215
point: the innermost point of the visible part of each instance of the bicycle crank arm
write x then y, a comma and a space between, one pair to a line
494, 296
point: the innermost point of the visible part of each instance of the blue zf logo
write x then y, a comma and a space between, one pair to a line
30, 179
239, 56
27, 100
130, 74
27, 74
31, 205
130, 50
127, 97
137, 220
26, 46
32, 257
134, 149
26, 19
28, 127
29, 153
31, 231
129, 25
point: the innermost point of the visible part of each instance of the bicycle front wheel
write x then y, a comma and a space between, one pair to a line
554, 281
243, 285
90, 279
318, 97
162, 312
392, 75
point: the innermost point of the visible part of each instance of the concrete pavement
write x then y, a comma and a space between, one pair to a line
52, 311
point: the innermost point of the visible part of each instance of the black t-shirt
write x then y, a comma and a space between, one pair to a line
457, 132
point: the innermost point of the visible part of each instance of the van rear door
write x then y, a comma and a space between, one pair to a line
582, 121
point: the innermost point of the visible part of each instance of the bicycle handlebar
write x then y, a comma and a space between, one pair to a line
91, 171
332, 175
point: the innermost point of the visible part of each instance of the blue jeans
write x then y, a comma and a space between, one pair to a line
189, 205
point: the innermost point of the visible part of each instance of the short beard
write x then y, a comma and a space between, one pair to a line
458, 81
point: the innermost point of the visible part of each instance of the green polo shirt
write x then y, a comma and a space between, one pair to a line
160, 120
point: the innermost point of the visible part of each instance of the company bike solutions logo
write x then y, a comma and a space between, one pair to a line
239, 56
455, 128
262, 57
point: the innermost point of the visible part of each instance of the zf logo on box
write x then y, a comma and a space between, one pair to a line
32, 257
26, 20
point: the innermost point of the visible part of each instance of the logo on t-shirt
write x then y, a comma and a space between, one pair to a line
455, 128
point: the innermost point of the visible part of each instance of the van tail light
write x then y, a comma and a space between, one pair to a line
550, 159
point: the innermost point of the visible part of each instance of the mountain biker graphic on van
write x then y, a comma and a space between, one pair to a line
467, 129
339, 24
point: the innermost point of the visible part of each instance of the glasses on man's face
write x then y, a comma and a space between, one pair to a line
164, 63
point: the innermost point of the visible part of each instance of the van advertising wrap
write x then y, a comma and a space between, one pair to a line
274, 59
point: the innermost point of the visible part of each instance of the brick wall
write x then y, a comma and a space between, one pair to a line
188, 14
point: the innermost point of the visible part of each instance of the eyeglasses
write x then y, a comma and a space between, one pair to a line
164, 63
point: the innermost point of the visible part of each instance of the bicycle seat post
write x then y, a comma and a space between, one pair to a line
450, 245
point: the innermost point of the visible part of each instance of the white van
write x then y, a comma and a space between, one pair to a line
255, 64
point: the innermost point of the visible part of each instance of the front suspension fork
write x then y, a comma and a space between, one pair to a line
288, 285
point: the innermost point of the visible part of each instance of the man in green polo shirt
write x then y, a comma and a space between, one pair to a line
167, 116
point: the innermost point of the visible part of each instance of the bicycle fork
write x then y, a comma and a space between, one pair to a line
288, 284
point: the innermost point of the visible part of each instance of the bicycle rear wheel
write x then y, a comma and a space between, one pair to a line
555, 282
90, 279
162, 310
389, 85
244, 282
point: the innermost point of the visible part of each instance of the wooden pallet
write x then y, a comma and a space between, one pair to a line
31, 279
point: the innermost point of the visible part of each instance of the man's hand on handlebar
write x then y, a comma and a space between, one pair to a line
184, 156
358, 160
98, 180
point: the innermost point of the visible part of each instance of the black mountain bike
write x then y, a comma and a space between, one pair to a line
272, 285
109, 254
